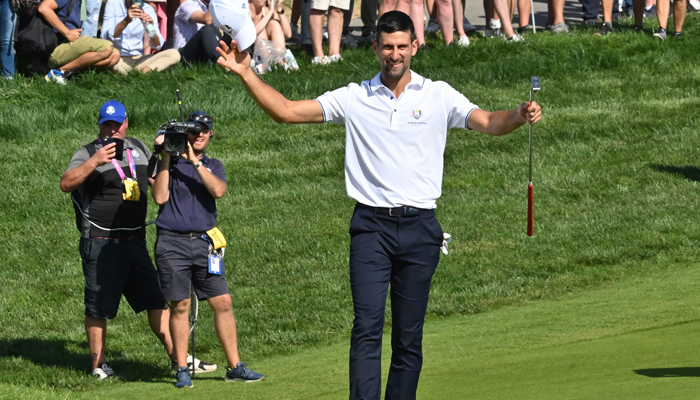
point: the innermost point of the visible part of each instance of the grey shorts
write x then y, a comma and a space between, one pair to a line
113, 268
181, 260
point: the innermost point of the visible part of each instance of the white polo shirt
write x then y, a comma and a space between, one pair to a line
394, 147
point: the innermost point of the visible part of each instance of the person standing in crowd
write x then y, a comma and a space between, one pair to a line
8, 18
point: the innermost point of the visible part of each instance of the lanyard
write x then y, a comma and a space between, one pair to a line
120, 171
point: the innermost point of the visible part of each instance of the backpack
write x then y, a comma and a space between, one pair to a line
35, 37
75, 196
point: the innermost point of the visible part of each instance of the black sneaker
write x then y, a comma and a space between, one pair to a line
651, 12
605, 29
242, 374
678, 35
589, 22
638, 29
660, 33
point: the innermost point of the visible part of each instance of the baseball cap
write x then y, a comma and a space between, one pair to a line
112, 110
201, 117
233, 17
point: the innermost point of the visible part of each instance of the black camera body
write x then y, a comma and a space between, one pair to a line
175, 141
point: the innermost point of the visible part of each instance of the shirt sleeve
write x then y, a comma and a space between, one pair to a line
184, 12
150, 11
334, 105
458, 108
78, 158
111, 18
217, 168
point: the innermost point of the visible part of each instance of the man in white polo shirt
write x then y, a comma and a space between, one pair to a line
396, 127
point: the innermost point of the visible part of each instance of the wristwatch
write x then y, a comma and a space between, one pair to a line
199, 164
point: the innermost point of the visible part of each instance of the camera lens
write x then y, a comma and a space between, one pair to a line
176, 142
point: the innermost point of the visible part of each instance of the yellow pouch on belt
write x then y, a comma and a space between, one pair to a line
131, 190
217, 238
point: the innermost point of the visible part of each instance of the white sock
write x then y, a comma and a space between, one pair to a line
495, 23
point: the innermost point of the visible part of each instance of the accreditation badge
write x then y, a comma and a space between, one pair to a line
131, 190
214, 264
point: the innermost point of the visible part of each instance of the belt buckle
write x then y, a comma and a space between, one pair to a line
397, 215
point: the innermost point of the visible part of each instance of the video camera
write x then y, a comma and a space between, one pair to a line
175, 141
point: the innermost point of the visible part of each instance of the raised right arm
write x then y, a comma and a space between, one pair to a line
74, 177
279, 108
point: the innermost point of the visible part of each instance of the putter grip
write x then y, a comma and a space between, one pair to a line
529, 210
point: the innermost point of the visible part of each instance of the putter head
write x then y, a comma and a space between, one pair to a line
535, 83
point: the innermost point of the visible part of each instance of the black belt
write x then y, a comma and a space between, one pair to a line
122, 238
191, 235
403, 211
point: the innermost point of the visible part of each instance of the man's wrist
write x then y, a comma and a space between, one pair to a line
199, 164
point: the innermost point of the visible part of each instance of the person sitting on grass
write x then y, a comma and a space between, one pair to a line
74, 52
125, 26
270, 22
194, 35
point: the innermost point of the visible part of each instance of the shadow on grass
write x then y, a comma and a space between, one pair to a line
56, 353
691, 173
683, 372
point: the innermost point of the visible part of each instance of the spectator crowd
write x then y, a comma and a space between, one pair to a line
153, 35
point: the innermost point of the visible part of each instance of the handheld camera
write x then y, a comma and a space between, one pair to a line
175, 141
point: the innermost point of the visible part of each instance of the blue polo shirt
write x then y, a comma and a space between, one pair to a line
72, 20
190, 207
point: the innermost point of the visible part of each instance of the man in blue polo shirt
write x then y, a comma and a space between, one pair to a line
186, 190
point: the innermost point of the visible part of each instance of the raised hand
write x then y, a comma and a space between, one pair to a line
232, 59
105, 154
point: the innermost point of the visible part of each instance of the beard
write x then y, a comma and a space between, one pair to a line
393, 73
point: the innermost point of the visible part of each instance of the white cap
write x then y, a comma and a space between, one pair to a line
233, 17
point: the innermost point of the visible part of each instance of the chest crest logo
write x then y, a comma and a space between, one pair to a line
416, 114
135, 153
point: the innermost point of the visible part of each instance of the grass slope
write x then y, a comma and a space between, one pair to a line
615, 175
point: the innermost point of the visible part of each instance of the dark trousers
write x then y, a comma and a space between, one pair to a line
202, 46
403, 252
591, 9
368, 14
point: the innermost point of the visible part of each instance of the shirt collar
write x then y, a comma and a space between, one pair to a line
417, 82
204, 159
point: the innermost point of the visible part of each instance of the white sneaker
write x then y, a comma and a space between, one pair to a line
468, 27
335, 58
323, 60
56, 75
463, 41
103, 372
200, 366
515, 38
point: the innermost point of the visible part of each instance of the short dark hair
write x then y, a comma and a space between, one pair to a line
395, 21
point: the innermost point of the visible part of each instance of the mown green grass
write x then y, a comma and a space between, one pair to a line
616, 175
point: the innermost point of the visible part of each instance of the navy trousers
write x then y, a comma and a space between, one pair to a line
404, 252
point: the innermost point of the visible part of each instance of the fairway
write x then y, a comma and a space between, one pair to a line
600, 303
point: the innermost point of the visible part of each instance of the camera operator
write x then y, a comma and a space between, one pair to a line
110, 199
186, 190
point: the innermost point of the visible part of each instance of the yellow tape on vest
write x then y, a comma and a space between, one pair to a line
131, 190
217, 238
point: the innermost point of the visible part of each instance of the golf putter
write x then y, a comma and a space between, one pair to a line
535, 87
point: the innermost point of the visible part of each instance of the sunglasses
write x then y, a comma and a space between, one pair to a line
202, 118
